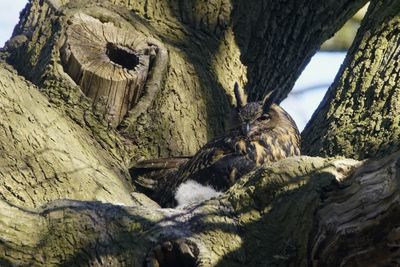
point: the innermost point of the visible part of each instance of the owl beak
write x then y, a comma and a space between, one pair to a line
246, 128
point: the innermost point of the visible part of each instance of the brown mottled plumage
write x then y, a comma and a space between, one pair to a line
266, 134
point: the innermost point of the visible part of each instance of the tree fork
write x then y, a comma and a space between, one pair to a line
194, 89
283, 214
275, 59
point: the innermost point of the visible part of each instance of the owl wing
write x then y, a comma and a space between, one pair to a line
219, 163
148, 174
211, 153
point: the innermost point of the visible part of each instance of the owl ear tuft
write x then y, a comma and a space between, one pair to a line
270, 99
241, 100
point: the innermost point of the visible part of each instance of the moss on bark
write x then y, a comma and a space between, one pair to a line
56, 146
359, 115
47, 156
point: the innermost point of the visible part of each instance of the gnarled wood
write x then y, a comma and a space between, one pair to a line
110, 64
46, 156
206, 44
358, 222
268, 218
274, 202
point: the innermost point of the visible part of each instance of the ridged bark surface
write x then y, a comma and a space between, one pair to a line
207, 41
359, 115
46, 156
300, 211
277, 39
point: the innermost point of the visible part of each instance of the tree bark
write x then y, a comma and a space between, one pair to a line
359, 115
343, 39
109, 72
47, 156
297, 212
66, 197
206, 42
275, 58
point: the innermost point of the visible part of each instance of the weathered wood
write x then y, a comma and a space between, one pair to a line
109, 64
205, 46
354, 205
266, 219
358, 221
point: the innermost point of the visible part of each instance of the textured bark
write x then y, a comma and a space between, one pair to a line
110, 65
357, 224
297, 212
185, 100
206, 42
56, 145
77, 233
275, 58
47, 156
359, 115
343, 39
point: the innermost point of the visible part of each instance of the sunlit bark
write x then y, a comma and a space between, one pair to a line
66, 197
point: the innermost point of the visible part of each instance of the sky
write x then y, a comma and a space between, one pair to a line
320, 71
9, 15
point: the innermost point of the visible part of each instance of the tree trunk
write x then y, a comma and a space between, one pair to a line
359, 116
343, 39
275, 58
47, 156
298, 212
64, 166
192, 100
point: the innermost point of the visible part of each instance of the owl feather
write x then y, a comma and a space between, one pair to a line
266, 133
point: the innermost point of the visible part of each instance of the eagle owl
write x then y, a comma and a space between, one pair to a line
266, 133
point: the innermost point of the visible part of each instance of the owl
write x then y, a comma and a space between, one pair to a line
266, 133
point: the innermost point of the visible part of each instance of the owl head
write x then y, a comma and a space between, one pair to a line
256, 113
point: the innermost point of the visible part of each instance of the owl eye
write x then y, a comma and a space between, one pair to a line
265, 117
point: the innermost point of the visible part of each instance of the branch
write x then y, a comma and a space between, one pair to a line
308, 89
76, 232
359, 115
276, 48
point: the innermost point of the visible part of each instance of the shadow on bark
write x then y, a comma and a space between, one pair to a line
293, 217
328, 223
284, 219
277, 40
200, 46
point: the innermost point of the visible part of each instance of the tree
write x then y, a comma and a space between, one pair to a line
66, 195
